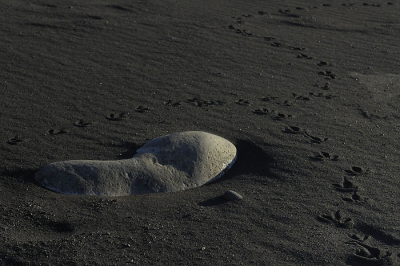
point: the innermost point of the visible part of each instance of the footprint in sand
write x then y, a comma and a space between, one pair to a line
54, 132
367, 254
14, 141
355, 171
322, 95
355, 197
337, 219
281, 116
200, 102
82, 123
327, 73
315, 139
326, 86
120, 8
292, 130
172, 103
322, 156
243, 102
262, 111
166, 164
117, 117
346, 186
300, 97
304, 56
268, 98
275, 115
142, 109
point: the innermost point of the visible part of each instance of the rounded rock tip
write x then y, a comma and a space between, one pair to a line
232, 195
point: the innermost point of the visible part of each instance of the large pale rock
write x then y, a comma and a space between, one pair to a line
166, 164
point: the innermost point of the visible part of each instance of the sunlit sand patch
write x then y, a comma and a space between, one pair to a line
166, 164
384, 86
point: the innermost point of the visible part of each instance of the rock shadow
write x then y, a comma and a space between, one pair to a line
22, 175
214, 201
251, 160
131, 150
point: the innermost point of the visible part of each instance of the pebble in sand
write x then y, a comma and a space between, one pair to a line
166, 164
232, 195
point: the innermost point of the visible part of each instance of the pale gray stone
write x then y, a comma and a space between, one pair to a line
232, 195
166, 164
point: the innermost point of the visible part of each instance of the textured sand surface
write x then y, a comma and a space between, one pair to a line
318, 148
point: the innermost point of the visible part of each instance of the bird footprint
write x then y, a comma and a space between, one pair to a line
82, 123
321, 156
119, 117
345, 186
337, 220
14, 141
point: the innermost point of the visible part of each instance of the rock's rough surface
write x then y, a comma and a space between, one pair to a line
166, 164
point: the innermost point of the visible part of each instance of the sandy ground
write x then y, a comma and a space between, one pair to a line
308, 91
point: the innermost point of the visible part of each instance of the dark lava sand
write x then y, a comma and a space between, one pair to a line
307, 90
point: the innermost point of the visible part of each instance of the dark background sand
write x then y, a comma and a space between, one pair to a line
249, 71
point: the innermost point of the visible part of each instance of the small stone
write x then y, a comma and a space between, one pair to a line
232, 195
